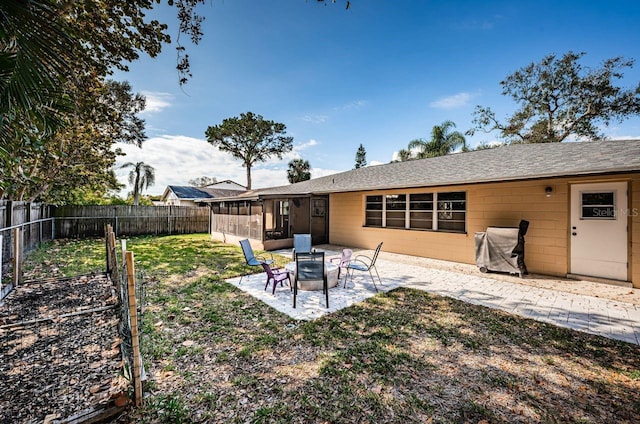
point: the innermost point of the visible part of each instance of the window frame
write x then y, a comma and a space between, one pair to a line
598, 216
392, 214
457, 209
368, 210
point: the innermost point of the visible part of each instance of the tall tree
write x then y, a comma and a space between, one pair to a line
361, 157
443, 141
59, 165
299, 170
46, 45
54, 60
203, 181
140, 177
558, 98
251, 139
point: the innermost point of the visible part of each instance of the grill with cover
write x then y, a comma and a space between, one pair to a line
502, 249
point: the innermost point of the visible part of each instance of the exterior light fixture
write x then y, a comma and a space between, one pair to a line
548, 190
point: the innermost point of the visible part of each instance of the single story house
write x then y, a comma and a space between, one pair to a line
582, 201
191, 196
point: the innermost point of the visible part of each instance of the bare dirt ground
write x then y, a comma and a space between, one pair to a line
59, 346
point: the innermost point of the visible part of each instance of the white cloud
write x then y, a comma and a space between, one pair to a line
315, 119
321, 172
178, 159
394, 156
355, 105
452, 102
295, 153
625, 137
156, 101
304, 146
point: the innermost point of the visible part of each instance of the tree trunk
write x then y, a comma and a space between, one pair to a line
248, 178
136, 191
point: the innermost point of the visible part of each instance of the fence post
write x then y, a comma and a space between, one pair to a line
1, 249
107, 242
17, 256
135, 341
9, 214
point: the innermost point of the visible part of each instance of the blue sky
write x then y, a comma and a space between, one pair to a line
379, 74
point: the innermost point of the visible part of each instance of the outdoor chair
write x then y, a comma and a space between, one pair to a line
342, 261
310, 267
276, 275
251, 258
301, 244
366, 264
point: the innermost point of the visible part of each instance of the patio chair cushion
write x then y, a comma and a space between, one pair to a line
359, 267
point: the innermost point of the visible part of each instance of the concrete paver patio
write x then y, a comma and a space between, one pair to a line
595, 308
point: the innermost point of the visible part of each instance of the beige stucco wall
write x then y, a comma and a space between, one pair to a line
490, 204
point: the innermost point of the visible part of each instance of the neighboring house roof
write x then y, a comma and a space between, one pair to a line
227, 185
193, 193
220, 192
506, 163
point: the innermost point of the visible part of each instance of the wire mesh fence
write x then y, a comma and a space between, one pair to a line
69, 346
129, 285
60, 349
15, 242
130, 320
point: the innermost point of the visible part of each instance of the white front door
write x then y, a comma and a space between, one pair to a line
599, 230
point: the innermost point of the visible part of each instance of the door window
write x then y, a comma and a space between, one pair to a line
598, 205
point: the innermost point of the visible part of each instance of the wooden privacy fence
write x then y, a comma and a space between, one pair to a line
25, 226
89, 221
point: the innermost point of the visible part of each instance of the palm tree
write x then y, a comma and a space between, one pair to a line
442, 142
299, 170
403, 155
140, 177
33, 62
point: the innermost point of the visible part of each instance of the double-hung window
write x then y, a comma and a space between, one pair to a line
421, 211
373, 211
395, 211
452, 211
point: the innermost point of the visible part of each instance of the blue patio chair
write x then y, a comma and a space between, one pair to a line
310, 267
301, 244
366, 264
251, 258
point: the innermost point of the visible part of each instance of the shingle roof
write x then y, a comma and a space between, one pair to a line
220, 192
507, 163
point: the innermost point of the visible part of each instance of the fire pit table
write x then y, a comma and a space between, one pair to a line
332, 277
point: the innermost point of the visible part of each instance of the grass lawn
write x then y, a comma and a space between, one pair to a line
215, 354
